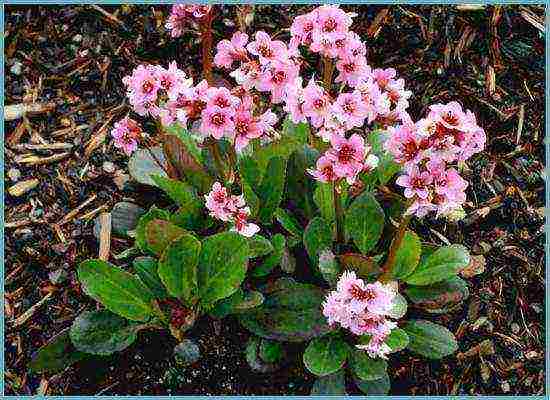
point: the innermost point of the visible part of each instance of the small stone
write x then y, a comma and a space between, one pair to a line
14, 174
16, 68
120, 179
109, 167
77, 38
515, 328
23, 187
505, 386
57, 276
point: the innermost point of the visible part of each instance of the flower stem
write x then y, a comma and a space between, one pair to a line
328, 69
395, 244
339, 214
217, 159
157, 161
207, 47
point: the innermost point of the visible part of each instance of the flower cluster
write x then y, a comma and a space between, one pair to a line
230, 208
426, 148
268, 65
126, 134
345, 159
182, 15
364, 309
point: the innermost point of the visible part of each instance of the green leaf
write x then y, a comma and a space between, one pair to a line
187, 352
120, 292
288, 222
142, 165
253, 356
324, 199
291, 312
56, 355
259, 246
399, 308
364, 221
367, 368
407, 256
187, 139
222, 266
300, 186
442, 264
439, 296
272, 188
250, 171
273, 259
317, 237
430, 340
146, 269
326, 355
179, 192
178, 268
387, 167
240, 301
376, 387
252, 200
397, 339
271, 351
152, 214
125, 217
159, 234
333, 384
292, 137
102, 332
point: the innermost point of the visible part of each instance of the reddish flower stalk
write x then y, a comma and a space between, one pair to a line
206, 28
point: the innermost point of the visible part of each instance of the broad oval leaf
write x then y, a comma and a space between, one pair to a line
147, 270
407, 256
125, 217
290, 312
119, 291
273, 259
317, 237
222, 266
333, 384
159, 234
364, 221
399, 307
254, 359
430, 340
238, 302
442, 264
326, 355
367, 368
324, 200
152, 214
397, 339
56, 355
439, 296
376, 387
271, 189
288, 222
259, 246
365, 267
102, 332
177, 267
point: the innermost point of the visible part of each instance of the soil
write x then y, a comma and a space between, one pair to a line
491, 59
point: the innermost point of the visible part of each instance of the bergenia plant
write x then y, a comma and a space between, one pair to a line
293, 189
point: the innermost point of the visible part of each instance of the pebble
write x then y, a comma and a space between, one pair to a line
505, 386
77, 38
14, 174
23, 187
16, 68
109, 167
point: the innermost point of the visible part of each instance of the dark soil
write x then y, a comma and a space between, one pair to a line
490, 59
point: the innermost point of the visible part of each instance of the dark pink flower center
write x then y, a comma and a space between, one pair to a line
345, 153
265, 51
349, 108
330, 25
217, 119
450, 118
361, 294
147, 87
242, 127
349, 67
319, 103
221, 102
279, 77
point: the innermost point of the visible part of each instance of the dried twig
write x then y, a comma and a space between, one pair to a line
105, 236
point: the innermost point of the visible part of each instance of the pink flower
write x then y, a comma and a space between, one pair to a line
172, 80
182, 15
142, 88
230, 51
383, 76
376, 347
302, 28
276, 79
220, 97
353, 69
405, 144
316, 103
248, 75
266, 49
350, 109
242, 226
348, 156
218, 202
324, 171
294, 101
416, 183
217, 122
331, 20
126, 134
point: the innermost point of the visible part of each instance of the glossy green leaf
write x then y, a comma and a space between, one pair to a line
273, 259
271, 189
159, 234
407, 256
177, 268
439, 296
288, 222
56, 355
142, 165
259, 246
442, 264
397, 339
222, 266
376, 387
333, 384
430, 340
326, 355
152, 214
364, 221
146, 269
317, 237
367, 368
102, 332
119, 291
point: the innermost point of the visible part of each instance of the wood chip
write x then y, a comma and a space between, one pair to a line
16, 111
30, 312
105, 236
20, 188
